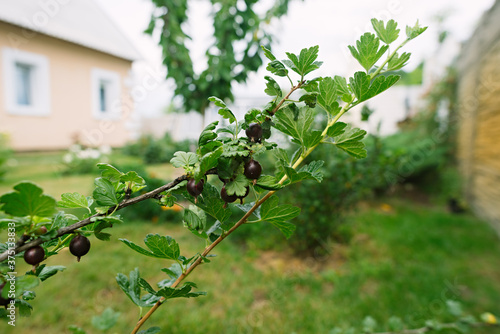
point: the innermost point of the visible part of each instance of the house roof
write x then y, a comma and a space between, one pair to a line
81, 22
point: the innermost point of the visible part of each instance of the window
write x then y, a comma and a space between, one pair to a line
26, 83
106, 94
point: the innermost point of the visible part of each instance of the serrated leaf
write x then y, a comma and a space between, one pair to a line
62, 220
208, 134
415, 31
182, 159
49, 271
23, 307
312, 170
311, 86
364, 89
73, 200
104, 192
224, 111
367, 51
268, 182
350, 142
285, 227
26, 283
27, 200
272, 87
278, 215
343, 89
305, 62
195, 219
252, 115
309, 99
387, 33
327, 97
397, 62
209, 147
163, 247
207, 162
109, 172
313, 138
268, 53
106, 320
130, 285
277, 68
234, 149
170, 293
105, 222
132, 177
336, 129
294, 122
238, 186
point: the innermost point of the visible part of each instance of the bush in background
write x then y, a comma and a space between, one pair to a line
81, 160
149, 210
153, 150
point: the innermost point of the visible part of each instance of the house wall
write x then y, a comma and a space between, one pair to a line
479, 118
71, 115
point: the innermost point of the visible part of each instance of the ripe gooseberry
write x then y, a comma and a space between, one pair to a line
195, 189
79, 246
254, 132
34, 255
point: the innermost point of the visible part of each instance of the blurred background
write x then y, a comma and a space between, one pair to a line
407, 235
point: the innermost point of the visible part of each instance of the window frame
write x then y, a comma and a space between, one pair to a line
39, 82
112, 84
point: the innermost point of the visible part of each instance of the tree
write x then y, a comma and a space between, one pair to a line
239, 31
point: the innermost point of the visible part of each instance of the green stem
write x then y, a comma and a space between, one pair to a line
61, 243
377, 72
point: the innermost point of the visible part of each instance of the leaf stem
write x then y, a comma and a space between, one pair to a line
377, 72
243, 220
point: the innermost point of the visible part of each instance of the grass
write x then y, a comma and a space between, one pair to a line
404, 260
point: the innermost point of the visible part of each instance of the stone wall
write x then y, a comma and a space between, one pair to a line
479, 118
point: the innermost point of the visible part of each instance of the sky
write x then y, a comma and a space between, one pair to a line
331, 24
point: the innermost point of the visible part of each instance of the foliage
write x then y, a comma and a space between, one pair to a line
82, 160
153, 150
150, 210
5, 154
239, 30
222, 151
349, 181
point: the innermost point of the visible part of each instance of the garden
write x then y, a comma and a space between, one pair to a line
288, 220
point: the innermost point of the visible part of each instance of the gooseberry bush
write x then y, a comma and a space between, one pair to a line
37, 230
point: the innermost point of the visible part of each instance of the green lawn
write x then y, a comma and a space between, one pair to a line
402, 262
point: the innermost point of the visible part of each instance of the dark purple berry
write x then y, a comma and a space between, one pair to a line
79, 246
195, 189
34, 255
3, 302
227, 198
253, 170
246, 194
254, 132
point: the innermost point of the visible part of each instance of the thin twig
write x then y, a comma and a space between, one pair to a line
294, 88
21, 244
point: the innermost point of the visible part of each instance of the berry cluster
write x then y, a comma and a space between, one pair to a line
252, 170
